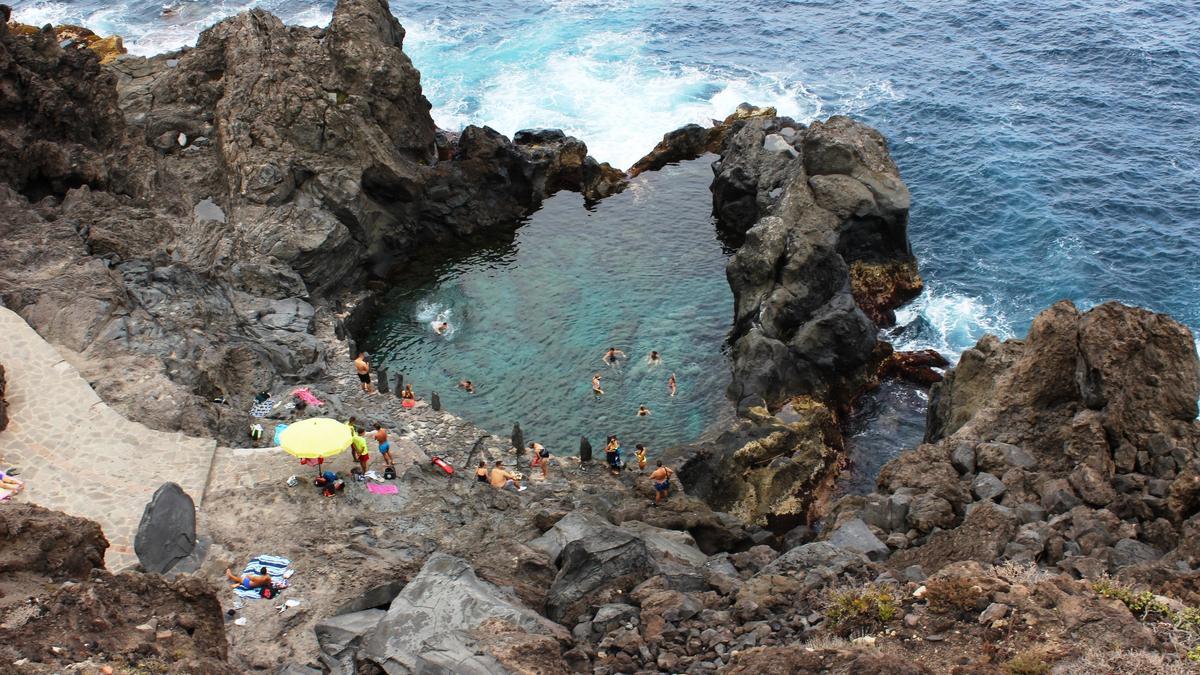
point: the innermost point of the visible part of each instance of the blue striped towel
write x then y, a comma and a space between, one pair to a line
275, 565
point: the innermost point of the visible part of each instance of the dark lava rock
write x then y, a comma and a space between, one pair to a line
167, 531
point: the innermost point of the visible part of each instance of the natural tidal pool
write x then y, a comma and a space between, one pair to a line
532, 313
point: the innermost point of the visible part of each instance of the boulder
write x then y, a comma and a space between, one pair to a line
823, 559
987, 486
443, 619
856, 536
1128, 552
341, 636
1092, 486
963, 458
595, 570
612, 616
929, 511
167, 531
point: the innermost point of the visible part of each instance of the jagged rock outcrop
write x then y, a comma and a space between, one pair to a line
810, 204
62, 611
174, 223
448, 620
1076, 447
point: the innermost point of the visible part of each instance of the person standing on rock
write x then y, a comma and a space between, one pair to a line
640, 453
358, 446
541, 458
364, 371
385, 448
612, 454
662, 482
501, 478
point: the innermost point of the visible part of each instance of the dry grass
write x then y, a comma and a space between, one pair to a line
1096, 660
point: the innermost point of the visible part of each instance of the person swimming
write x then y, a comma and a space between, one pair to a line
441, 327
654, 359
467, 385
596, 385
613, 356
671, 384
643, 411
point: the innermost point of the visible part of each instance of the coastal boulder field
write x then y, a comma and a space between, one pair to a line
196, 227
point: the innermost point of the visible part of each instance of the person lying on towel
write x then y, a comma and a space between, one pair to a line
249, 581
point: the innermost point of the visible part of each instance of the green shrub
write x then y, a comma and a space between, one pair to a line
953, 596
1027, 663
859, 609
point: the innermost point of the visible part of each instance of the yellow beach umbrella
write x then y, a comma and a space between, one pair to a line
315, 437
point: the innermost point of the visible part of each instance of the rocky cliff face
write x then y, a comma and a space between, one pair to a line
174, 223
1077, 447
820, 215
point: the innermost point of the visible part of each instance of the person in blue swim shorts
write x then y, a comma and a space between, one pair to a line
385, 447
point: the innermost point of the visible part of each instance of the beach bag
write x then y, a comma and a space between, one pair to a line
256, 431
389, 473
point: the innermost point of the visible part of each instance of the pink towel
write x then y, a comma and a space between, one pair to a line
382, 489
307, 396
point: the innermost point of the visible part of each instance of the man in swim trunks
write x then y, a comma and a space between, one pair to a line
501, 478
249, 581
662, 482
612, 356
385, 448
358, 448
596, 386
364, 371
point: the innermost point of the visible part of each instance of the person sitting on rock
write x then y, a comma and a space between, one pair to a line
249, 581
408, 394
501, 478
481, 473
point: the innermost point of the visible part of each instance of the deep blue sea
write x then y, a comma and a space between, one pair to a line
1052, 148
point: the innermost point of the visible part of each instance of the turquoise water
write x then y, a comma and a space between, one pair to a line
532, 314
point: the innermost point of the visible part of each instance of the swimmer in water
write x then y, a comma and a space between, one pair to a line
612, 356
596, 386
671, 384
466, 384
654, 359
441, 327
643, 411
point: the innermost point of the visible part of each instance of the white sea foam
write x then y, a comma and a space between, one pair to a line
948, 322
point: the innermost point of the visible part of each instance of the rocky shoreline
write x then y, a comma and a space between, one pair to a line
214, 222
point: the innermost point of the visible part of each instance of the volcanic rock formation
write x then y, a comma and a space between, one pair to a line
174, 223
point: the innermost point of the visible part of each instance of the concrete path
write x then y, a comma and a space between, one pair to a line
79, 456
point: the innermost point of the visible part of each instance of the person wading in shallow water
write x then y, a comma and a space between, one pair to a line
364, 371
662, 482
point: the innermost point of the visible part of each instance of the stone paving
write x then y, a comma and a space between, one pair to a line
78, 455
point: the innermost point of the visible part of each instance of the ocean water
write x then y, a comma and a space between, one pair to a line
1052, 147
531, 315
